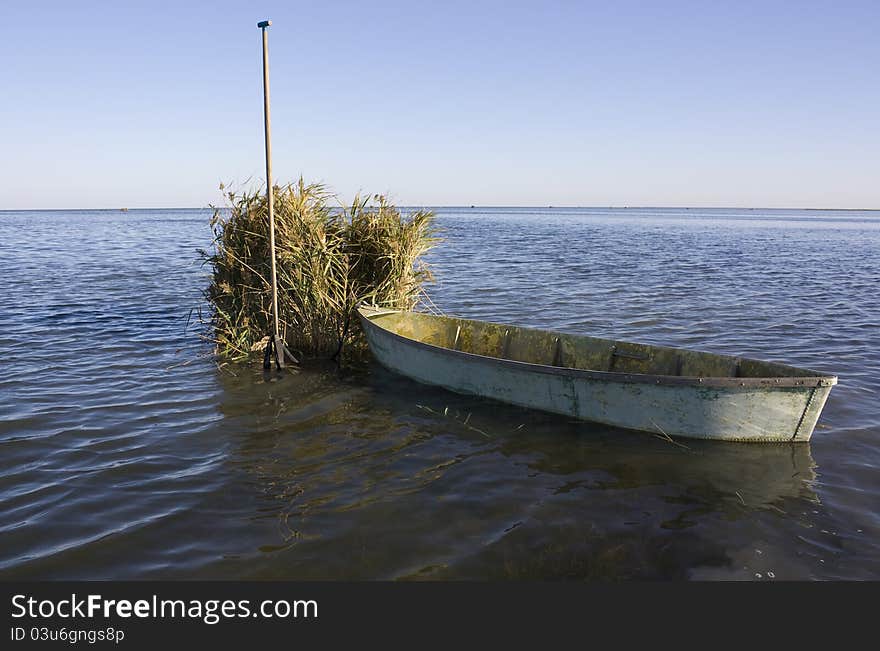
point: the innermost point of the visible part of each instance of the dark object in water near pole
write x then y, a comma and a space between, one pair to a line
275, 348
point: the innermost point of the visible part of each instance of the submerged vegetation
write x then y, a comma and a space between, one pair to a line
329, 258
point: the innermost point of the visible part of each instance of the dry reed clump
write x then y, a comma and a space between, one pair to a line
329, 259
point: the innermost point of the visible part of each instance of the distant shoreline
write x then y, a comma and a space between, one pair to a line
474, 207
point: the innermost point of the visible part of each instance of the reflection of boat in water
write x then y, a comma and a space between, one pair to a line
308, 412
672, 391
736, 473
370, 475
754, 477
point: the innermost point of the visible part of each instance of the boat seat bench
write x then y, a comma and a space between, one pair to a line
568, 351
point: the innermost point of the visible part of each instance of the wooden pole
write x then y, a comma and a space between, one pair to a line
276, 344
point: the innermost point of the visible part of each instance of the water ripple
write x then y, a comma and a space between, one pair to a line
126, 453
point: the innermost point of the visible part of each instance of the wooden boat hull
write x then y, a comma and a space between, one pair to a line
783, 407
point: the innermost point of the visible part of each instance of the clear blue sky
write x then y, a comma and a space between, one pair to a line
444, 103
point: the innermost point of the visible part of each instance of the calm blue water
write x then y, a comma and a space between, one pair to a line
125, 452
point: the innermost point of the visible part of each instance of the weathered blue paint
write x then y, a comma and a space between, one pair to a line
784, 405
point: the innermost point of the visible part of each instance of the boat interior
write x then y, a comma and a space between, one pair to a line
572, 351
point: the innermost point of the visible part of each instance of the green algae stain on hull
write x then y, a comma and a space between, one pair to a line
662, 390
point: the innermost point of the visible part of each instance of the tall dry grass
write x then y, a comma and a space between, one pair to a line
329, 258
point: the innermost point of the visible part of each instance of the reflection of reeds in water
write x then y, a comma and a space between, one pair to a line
329, 258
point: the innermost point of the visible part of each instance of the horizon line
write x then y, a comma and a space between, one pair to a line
473, 206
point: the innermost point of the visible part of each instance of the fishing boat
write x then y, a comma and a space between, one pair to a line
671, 392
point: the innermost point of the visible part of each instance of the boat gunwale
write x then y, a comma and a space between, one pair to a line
805, 382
